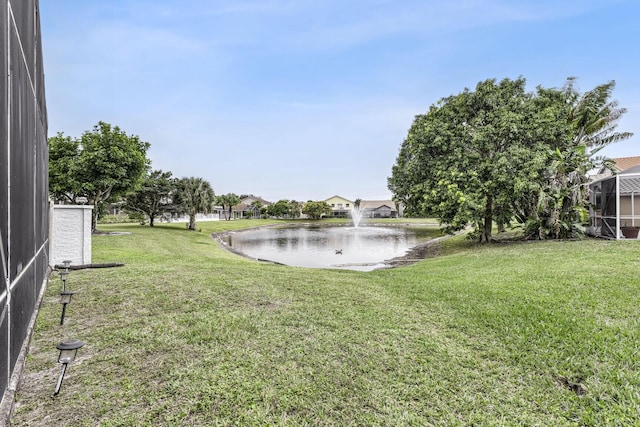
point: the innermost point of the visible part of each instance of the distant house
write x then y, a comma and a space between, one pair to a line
379, 209
247, 207
340, 206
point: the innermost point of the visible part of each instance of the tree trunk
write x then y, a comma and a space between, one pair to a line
485, 237
150, 221
94, 218
192, 222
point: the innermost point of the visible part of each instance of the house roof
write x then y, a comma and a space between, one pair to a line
624, 163
251, 199
377, 204
338, 198
247, 201
620, 164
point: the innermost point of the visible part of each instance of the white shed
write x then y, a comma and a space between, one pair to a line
70, 234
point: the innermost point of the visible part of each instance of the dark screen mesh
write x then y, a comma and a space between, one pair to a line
23, 13
609, 207
39, 77
23, 302
24, 207
4, 173
4, 346
4, 200
21, 157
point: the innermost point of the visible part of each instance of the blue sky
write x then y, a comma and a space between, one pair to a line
295, 99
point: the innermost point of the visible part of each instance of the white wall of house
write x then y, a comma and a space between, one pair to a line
70, 234
339, 203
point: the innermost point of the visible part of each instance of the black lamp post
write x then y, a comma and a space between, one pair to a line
65, 298
68, 350
64, 274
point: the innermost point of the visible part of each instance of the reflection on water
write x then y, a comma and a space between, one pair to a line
362, 248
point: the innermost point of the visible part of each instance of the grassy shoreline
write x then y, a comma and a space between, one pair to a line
189, 334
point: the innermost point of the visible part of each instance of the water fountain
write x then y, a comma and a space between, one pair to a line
356, 216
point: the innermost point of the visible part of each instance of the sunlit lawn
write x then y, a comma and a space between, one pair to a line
188, 334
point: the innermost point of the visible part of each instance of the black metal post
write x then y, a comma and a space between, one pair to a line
64, 369
64, 308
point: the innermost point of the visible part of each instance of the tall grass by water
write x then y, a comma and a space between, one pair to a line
189, 334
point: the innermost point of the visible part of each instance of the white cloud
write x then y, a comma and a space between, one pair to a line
338, 24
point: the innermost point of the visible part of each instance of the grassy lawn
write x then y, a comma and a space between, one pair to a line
188, 334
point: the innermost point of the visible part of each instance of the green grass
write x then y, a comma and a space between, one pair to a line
188, 334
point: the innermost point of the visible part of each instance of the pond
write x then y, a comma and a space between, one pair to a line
329, 246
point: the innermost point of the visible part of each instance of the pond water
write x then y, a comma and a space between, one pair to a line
344, 247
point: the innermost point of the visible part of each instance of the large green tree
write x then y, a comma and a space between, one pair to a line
279, 209
550, 132
295, 209
463, 160
316, 210
194, 195
153, 198
102, 166
487, 156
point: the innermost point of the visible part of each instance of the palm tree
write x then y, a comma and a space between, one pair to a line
195, 195
596, 117
561, 205
228, 201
